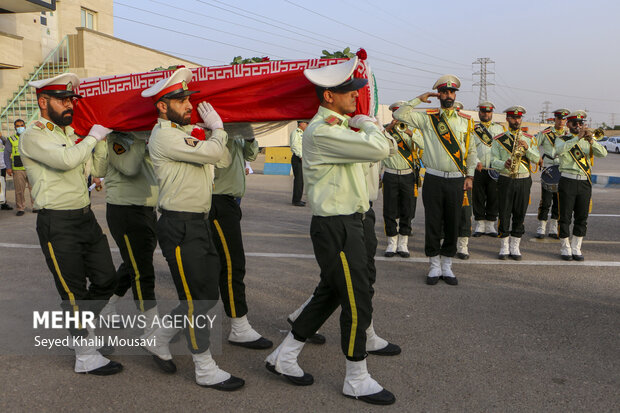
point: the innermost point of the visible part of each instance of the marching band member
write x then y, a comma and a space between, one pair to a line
576, 151
515, 182
450, 160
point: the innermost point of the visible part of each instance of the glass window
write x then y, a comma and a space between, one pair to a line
88, 19
83, 16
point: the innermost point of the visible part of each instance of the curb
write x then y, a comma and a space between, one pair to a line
606, 180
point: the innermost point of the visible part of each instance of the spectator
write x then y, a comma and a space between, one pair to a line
17, 170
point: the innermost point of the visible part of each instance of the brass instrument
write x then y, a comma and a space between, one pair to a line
401, 127
515, 156
596, 134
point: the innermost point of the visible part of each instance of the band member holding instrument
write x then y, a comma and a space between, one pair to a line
511, 155
576, 151
401, 175
549, 159
450, 160
485, 202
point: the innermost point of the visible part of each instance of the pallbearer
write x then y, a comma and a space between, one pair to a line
576, 151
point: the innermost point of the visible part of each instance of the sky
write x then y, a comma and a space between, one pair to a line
563, 52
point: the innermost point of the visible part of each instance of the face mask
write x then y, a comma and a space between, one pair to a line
20, 130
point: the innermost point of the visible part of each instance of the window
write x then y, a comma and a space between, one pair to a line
88, 19
43, 19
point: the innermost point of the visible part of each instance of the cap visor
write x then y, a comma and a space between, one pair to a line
351, 85
178, 94
61, 94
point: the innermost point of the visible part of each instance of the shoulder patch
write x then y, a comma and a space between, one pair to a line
191, 142
50, 126
500, 135
333, 120
38, 125
464, 115
432, 111
118, 148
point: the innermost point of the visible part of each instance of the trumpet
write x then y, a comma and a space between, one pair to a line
401, 127
515, 156
596, 134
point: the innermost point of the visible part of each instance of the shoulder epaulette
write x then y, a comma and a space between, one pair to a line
333, 120
432, 111
547, 129
38, 125
464, 115
527, 135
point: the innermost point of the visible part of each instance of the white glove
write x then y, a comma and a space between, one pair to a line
209, 116
99, 132
358, 120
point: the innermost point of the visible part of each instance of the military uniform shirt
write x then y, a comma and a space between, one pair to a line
396, 161
296, 141
483, 151
130, 178
55, 165
547, 147
567, 163
499, 155
332, 162
231, 180
184, 165
435, 156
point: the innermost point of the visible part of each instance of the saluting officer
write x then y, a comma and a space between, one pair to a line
450, 160
131, 197
513, 189
298, 176
184, 168
485, 202
400, 187
334, 153
546, 141
225, 218
75, 248
576, 151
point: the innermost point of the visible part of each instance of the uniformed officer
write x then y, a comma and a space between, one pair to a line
548, 157
334, 153
513, 188
485, 202
75, 248
450, 160
131, 196
296, 149
401, 174
184, 168
17, 170
576, 151
225, 218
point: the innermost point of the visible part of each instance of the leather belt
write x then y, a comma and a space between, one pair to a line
66, 212
185, 216
518, 176
573, 176
443, 174
398, 171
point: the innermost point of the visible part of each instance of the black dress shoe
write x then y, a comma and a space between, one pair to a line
491, 234
450, 280
462, 256
35, 211
540, 236
231, 384
316, 338
111, 368
554, 236
259, 344
304, 380
20, 213
502, 256
567, 257
6, 207
167, 366
578, 257
404, 254
477, 234
384, 397
432, 280
299, 203
389, 350
389, 254
516, 257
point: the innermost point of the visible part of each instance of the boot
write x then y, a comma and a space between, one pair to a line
435, 272
490, 229
316, 337
150, 315
283, 361
359, 385
565, 249
89, 360
540, 231
461, 248
160, 350
403, 248
242, 334
575, 246
208, 374
108, 312
390, 251
479, 229
515, 253
553, 229
504, 250
446, 271
378, 346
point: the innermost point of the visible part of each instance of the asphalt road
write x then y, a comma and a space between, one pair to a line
536, 335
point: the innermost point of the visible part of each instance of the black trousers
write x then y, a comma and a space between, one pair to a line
225, 218
399, 202
185, 240
485, 202
465, 219
298, 178
78, 255
514, 197
443, 199
575, 198
548, 200
134, 229
370, 240
340, 250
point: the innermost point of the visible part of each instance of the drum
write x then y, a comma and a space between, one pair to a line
550, 178
493, 174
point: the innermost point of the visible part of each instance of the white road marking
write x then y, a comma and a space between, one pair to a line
589, 215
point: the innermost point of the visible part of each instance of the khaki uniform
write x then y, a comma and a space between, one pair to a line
484, 191
550, 158
298, 178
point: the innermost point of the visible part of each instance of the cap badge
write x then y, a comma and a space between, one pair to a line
184, 85
70, 86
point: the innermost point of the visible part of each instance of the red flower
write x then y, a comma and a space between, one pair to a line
361, 53
265, 59
199, 134
78, 140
